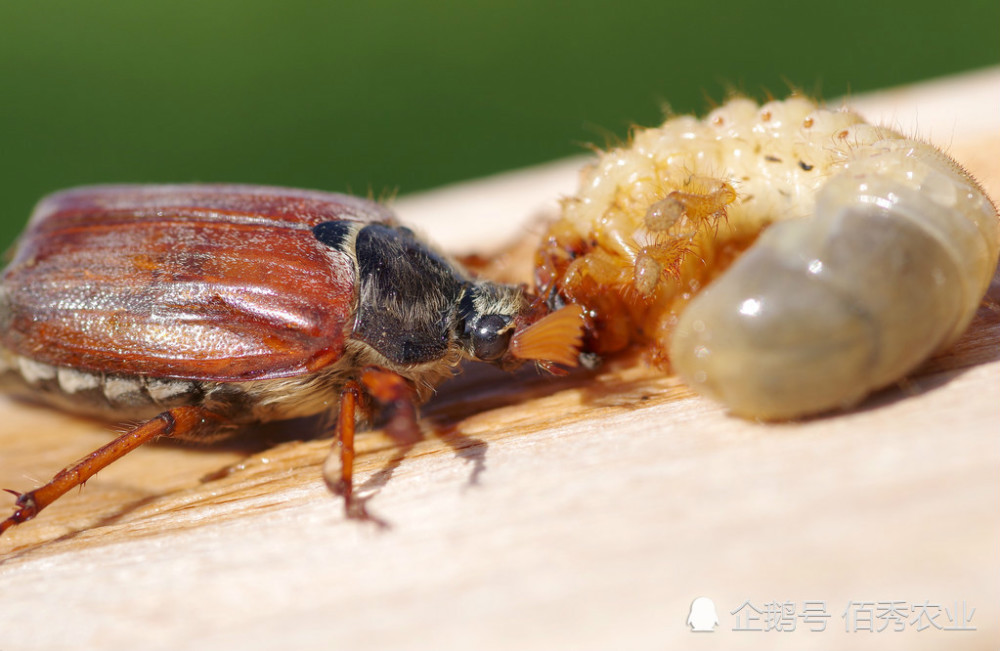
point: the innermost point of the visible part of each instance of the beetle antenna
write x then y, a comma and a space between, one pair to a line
555, 338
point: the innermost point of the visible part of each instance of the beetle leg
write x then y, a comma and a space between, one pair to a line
338, 470
392, 392
181, 422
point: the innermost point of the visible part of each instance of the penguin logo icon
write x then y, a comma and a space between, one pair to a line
703, 618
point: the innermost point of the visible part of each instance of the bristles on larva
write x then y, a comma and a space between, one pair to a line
555, 338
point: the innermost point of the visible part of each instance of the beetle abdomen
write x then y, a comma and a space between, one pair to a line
117, 397
95, 394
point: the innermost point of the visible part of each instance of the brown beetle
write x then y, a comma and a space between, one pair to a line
204, 308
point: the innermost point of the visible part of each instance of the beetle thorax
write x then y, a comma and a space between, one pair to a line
417, 313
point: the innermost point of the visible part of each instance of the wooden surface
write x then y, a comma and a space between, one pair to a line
584, 512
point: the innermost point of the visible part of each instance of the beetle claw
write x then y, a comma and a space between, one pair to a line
26, 509
337, 487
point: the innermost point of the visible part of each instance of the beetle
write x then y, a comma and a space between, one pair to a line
202, 309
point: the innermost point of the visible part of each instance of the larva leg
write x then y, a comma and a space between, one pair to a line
597, 267
181, 422
655, 260
701, 200
674, 221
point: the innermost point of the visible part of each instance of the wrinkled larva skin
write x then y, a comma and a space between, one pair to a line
885, 249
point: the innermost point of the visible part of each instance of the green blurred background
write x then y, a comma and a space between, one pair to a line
407, 95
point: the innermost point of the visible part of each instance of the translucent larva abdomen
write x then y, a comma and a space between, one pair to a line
825, 309
858, 253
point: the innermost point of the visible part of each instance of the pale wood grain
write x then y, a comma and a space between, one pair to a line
582, 512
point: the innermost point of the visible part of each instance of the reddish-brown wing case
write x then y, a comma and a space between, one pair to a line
213, 282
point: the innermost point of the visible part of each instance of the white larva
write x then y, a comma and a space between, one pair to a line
884, 251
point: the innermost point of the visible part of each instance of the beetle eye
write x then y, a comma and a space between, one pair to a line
490, 336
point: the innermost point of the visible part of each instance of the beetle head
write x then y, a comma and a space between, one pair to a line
500, 325
416, 308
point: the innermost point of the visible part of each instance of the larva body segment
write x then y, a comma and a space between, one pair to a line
823, 310
885, 249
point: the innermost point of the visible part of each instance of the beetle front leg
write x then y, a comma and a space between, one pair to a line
338, 470
394, 393
181, 422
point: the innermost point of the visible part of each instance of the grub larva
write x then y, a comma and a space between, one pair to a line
883, 252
